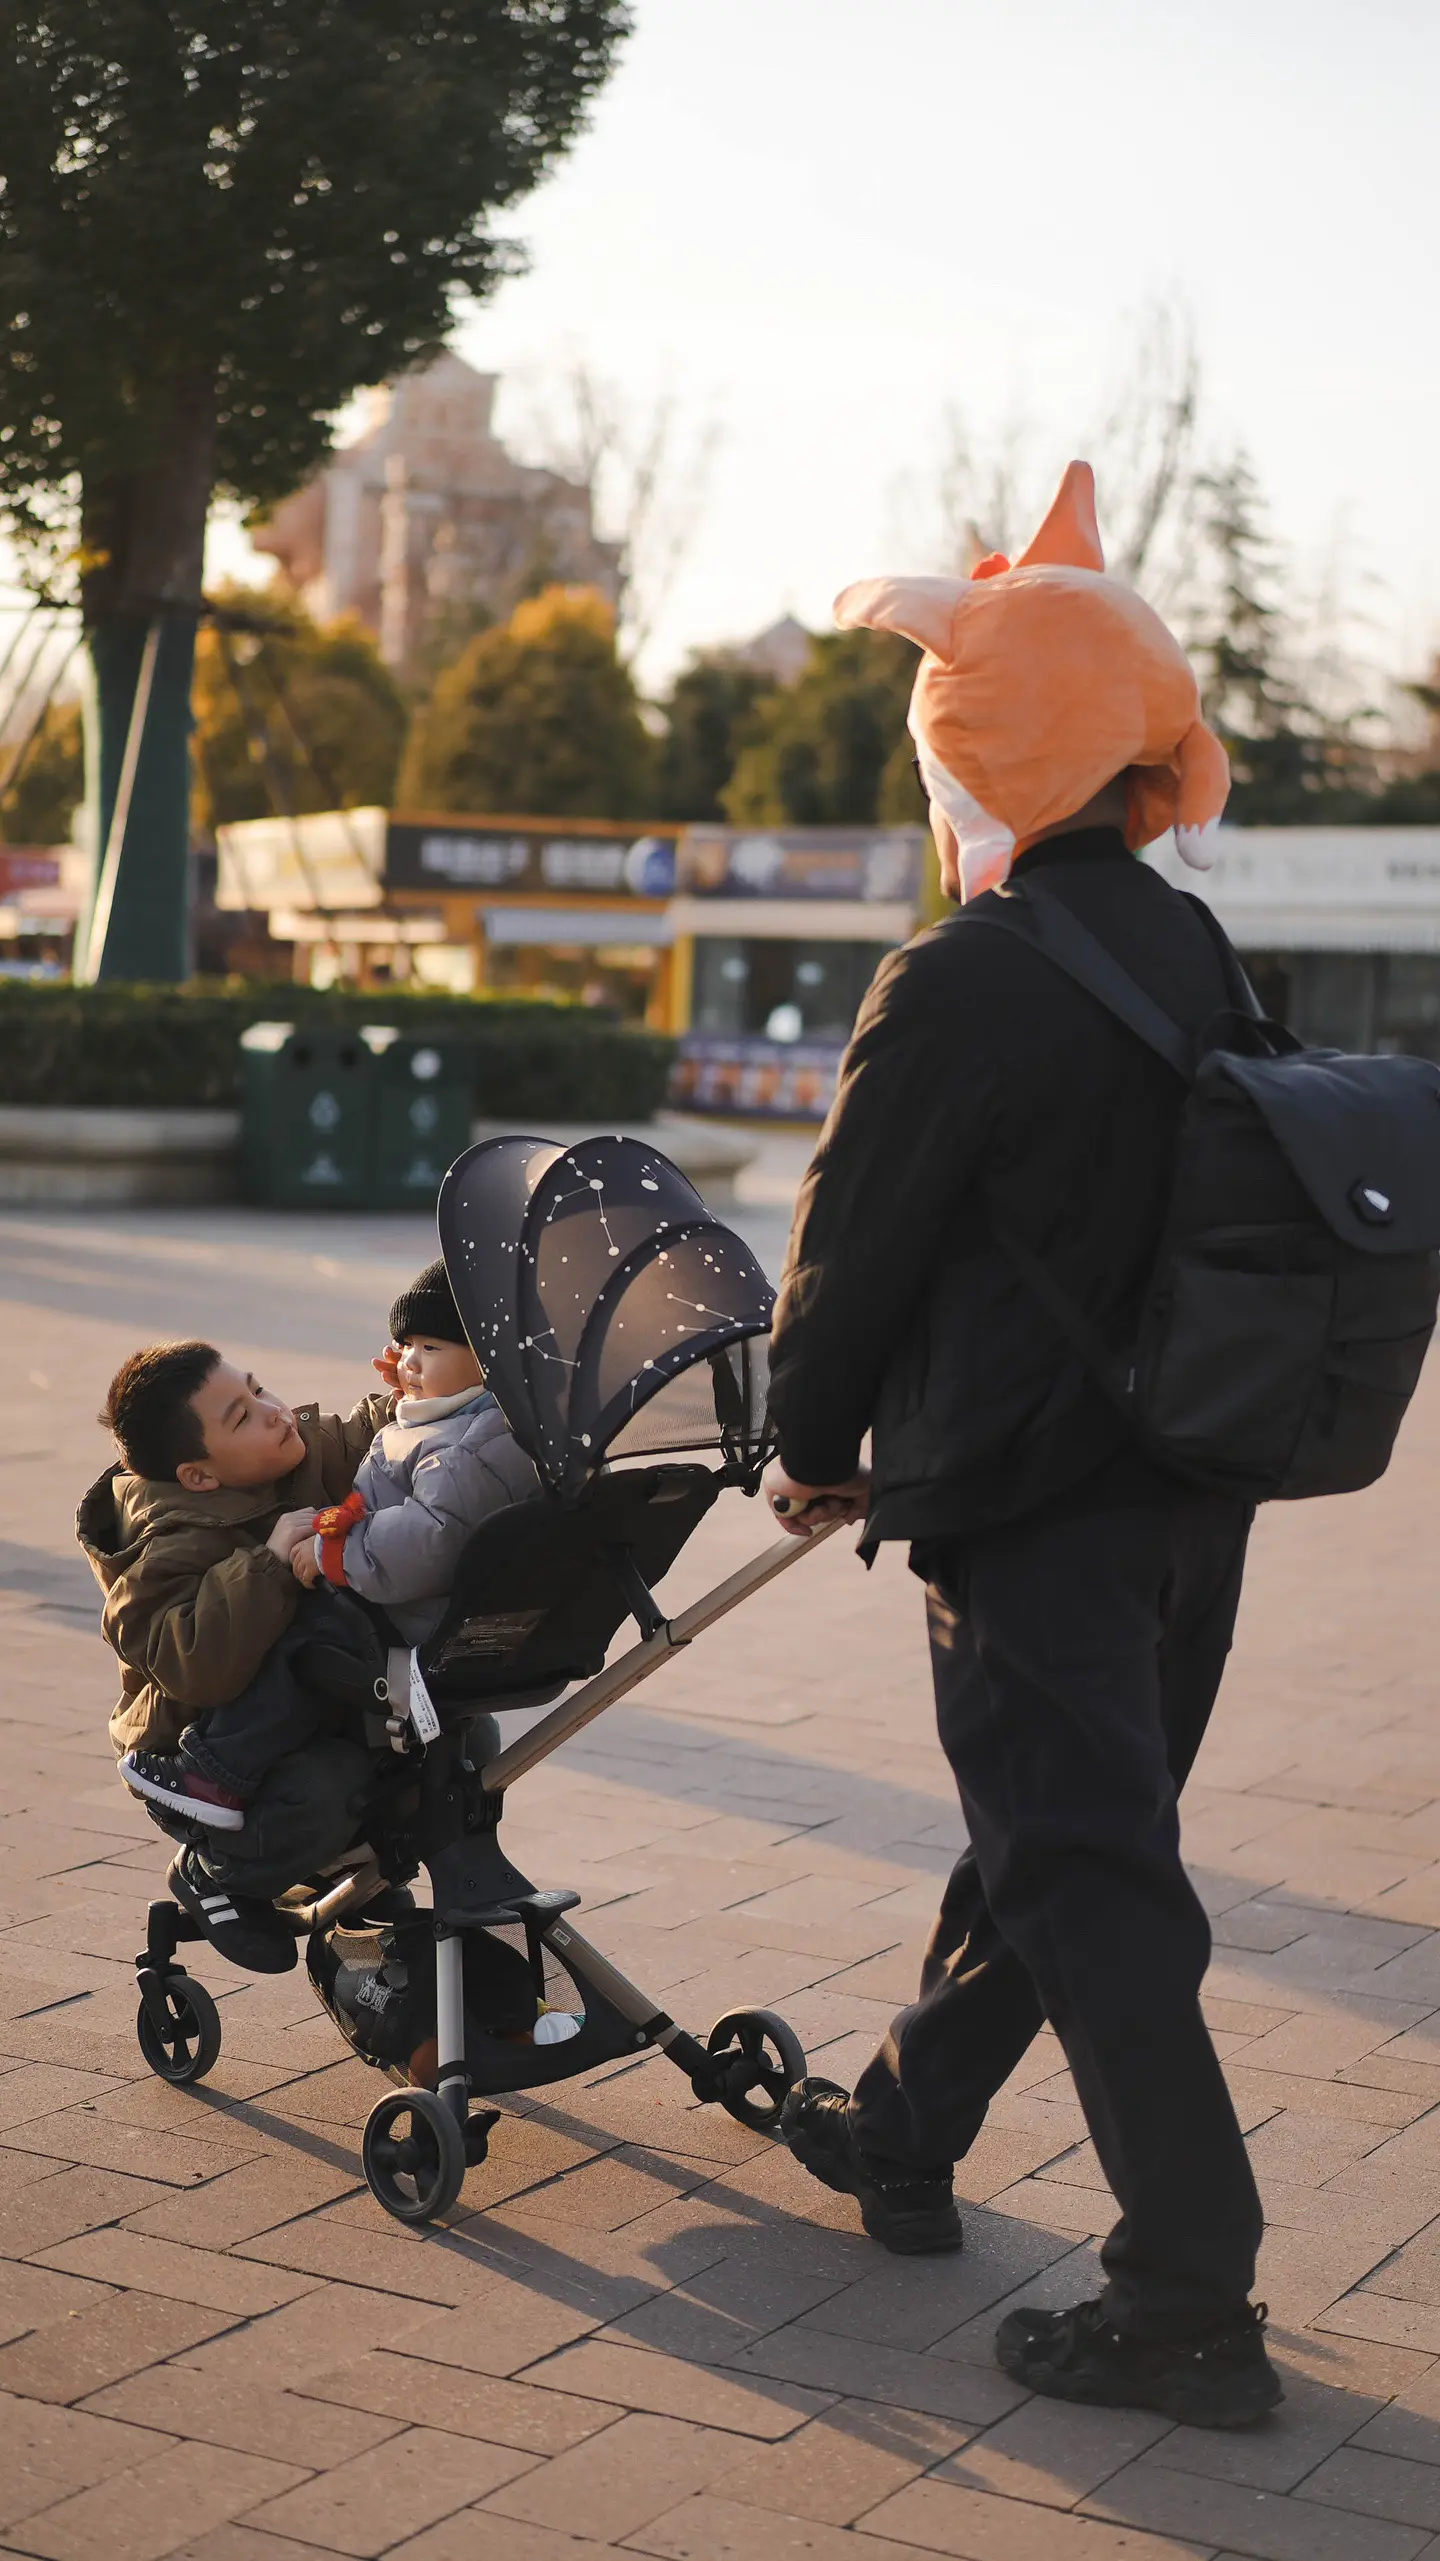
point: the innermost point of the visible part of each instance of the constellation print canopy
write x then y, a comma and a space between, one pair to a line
611, 1310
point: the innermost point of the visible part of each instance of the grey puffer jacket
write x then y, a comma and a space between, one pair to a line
426, 1485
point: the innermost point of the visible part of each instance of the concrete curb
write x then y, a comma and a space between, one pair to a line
104, 1158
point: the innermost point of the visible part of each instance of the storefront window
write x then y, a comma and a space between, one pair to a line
1356, 1001
1407, 1011
784, 991
620, 977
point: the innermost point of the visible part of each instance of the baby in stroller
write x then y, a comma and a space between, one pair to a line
200, 1545
445, 1463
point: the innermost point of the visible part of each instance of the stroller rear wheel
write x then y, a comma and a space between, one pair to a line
413, 2155
756, 2059
184, 2044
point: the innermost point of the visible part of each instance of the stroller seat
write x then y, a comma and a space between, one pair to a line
543, 1587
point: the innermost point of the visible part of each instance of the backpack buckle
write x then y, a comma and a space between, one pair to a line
1370, 1203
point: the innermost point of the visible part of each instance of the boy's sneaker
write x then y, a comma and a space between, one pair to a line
1221, 2379
164, 1779
910, 2211
238, 1926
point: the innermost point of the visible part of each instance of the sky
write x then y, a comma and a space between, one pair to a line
820, 224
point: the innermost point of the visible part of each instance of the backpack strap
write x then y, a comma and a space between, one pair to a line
1230, 960
1111, 1375
1049, 927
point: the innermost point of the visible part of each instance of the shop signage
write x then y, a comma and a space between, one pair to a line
27, 867
877, 864
421, 855
764, 1079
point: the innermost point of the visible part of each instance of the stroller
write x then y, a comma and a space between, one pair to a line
623, 1331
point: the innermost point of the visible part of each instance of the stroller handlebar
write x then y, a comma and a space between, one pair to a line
635, 1666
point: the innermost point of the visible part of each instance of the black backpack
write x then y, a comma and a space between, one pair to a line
1294, 1292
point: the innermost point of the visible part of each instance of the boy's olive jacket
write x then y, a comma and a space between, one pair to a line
194, 1598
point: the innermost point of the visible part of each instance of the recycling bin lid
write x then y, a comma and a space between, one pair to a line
269, 1038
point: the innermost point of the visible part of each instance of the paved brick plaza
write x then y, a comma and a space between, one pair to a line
645, 2328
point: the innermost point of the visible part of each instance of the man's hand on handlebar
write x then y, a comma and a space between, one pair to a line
802, 1509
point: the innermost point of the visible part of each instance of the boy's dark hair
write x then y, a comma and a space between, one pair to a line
149, 1411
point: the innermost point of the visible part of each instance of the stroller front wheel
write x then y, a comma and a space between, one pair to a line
183, 2043
413, 2155
756, 2059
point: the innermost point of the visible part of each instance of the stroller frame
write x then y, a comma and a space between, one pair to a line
595, 1285
418, 2143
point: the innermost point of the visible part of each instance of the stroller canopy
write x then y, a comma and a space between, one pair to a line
611, 1311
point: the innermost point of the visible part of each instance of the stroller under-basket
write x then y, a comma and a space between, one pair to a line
622, 1329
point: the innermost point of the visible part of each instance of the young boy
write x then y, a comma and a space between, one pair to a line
191, 1543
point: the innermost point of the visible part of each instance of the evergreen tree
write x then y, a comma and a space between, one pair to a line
537, 717
709, 713
1276, 749
826, 749
218, 218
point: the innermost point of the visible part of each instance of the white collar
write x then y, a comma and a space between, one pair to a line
433, 1409
984, 846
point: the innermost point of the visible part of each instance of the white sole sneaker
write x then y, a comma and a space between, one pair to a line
197, 1809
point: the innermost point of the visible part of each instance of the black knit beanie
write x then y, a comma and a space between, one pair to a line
427, 1307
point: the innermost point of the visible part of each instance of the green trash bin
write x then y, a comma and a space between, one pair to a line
424, 1104
308, 1115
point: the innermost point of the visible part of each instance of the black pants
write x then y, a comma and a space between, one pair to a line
1076, 1660
313, 1805
289, 1703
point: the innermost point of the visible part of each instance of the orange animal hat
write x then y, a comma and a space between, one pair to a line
1039, 684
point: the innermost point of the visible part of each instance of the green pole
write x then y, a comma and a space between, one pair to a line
146, 934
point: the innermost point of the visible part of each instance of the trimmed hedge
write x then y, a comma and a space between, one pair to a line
163, 1047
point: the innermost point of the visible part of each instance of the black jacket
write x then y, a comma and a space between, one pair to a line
981, 1080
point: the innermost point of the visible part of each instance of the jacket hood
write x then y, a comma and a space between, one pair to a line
121, 1513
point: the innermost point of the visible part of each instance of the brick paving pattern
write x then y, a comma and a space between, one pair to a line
643, 2329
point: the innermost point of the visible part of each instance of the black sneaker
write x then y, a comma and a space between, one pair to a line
910, 2211
240, 1927
1223, 2380
164, 1779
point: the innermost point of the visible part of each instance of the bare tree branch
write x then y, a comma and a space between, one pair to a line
646, 467
987, 490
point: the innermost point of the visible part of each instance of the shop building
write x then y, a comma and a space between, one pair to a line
42, 890
1339, 927
778, 933
578, 909
756, 945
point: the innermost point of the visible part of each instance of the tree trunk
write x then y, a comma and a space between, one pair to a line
143, 545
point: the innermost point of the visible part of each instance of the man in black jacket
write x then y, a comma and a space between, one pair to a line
1081, 1604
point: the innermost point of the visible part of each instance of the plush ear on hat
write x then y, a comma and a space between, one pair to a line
1189, 794
922, 608
1070, 535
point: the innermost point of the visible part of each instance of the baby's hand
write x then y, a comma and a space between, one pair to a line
290, 1527
388, 1364
304, 1563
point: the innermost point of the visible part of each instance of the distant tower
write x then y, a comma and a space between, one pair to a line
426, 517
